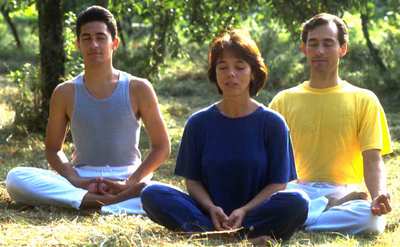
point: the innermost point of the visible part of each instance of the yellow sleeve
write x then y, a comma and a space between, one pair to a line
373, 128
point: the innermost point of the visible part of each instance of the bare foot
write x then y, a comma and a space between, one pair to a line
332, 201
263, 241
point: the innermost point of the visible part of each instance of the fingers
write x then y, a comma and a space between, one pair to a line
218, 217
92, 188
381, 205
234, 223
235, 219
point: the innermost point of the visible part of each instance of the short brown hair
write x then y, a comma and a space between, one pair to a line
323, 19
97, 13
243, 46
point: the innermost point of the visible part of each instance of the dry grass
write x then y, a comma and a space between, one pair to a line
50, 226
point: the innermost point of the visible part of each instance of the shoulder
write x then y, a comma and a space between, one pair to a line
201, 116
139, 84
272, 117
362, 94
142, 92
64, 90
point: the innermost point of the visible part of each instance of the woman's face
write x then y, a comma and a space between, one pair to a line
233, 75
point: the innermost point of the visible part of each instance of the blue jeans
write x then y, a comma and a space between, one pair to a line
278, 217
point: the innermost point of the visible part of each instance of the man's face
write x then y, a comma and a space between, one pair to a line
322, 48
95, 43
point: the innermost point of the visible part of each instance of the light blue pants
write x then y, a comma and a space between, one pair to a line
352, 217
35, 186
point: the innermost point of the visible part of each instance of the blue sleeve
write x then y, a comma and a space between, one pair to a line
281, 160
188, 161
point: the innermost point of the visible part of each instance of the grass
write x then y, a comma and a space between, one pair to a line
50, 226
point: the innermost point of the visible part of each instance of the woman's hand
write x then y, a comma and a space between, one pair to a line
235, 219
218, 218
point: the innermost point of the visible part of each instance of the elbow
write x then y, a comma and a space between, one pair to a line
163, 150
281, 186
166, 149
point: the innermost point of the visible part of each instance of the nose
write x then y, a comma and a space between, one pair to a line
94, 43
320, 49
231, 72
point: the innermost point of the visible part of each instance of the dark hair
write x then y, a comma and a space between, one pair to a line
323, 19
243, 46
97, 13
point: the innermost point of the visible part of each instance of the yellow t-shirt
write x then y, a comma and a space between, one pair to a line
330, 128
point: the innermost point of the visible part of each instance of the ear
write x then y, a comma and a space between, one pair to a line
302, 48
115, 43
343, 50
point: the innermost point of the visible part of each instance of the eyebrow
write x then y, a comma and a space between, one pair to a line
238, 60
323, 40
97, 34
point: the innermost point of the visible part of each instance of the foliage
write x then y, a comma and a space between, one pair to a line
159, 35
27, 102
293, 13
73, 64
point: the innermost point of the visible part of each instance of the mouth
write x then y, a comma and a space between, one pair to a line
230, 84
319, 60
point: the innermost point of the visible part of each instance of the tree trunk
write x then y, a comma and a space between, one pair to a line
385, 72
4, 11
52, 55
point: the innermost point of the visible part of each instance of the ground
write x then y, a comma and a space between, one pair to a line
50, 226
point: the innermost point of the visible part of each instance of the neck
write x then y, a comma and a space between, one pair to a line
324, 80
99, 75
237, 107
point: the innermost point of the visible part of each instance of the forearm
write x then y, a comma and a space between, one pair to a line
59, 162
157, 155
375, 177
263, 195
199, 193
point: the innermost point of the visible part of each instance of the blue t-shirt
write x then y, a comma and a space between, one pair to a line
235, 158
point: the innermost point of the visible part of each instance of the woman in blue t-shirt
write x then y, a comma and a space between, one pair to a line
235, 156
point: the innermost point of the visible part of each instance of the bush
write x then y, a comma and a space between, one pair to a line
27, 103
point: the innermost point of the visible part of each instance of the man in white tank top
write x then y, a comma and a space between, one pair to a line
103, 107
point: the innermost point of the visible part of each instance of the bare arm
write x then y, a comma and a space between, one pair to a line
263, 195
375, 180
144, 97
56, 131
199, 193
145, 106
236, 217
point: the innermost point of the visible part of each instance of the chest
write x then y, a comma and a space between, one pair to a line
330, 113
235, 148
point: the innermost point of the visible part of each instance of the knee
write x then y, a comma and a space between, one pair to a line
297, 202
15, 177
15, 181
153, 194
376, 224
372, 223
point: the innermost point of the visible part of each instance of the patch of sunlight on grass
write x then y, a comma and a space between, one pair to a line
6, 115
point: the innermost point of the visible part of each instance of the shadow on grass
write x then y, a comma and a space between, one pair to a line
11, 212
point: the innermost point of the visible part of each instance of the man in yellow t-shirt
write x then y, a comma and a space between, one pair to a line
339, 134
